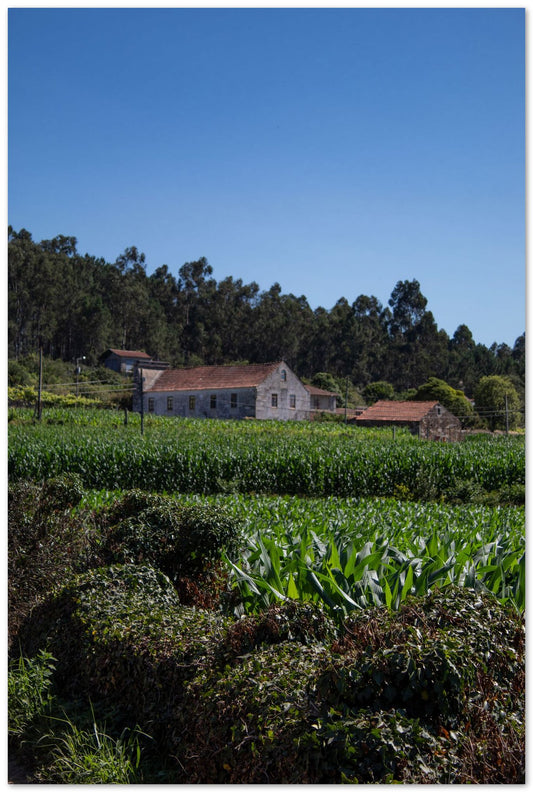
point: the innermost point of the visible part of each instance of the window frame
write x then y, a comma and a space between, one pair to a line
213, 401
274, 400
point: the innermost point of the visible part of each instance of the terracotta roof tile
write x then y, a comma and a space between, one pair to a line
130, 353
314, 391
397, 411
212, 377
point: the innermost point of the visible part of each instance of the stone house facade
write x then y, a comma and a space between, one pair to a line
269, 390
321, 399
426, 419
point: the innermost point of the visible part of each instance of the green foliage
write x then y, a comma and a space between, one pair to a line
375, 391
28, 395
496, 398
46, 542
81, 305
92, 757
454, 400
351, 555
264, 457
28, 691
177, 539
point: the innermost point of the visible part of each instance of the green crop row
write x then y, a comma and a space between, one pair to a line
263, 457
352, 554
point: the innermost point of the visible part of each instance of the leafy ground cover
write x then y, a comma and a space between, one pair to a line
432, 693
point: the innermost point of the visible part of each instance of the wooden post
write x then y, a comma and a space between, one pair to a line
141, 378
506, 416
40, 390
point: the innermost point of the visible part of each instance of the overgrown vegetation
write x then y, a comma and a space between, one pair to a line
174, 637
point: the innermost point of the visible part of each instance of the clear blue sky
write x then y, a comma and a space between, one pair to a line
335, 151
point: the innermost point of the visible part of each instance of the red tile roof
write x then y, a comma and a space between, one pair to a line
212, 377
314, 391
129, 353
397, 411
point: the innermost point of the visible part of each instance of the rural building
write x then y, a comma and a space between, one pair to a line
427, 419
123, 360
269, 390
321, 399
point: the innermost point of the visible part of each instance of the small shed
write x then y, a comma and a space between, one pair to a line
427, 419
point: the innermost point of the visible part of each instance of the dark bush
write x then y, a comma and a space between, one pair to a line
46, 542
431, 694
180, 540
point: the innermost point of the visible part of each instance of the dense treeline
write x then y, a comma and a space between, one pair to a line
74, 305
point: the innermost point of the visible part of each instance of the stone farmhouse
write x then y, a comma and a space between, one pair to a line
427, 419
269, 390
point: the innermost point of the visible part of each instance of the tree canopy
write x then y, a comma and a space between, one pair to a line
72, 305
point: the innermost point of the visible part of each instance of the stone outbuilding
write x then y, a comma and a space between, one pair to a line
322, 400
269, 390
426, 419
123, 360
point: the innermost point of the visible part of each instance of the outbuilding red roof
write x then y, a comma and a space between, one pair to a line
213, 377
129, 353
397, 411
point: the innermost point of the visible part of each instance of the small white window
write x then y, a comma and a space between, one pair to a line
170, 403
283, 375
292, 401
274, 400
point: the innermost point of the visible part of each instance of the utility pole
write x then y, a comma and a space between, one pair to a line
141, 380
78, 371
506, 416
346, 403
40, 389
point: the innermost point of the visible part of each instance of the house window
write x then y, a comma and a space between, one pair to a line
315, 403
192, 403
283, 375
292, 401
233, 401
438, 411
274, 400
213, 401
170, 403
151, 405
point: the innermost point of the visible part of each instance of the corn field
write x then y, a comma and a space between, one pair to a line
347, 517
258, 457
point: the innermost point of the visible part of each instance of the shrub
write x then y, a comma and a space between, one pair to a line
46, 542
180, 540
433, 693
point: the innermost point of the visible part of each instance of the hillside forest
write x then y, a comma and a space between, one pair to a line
74, 305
